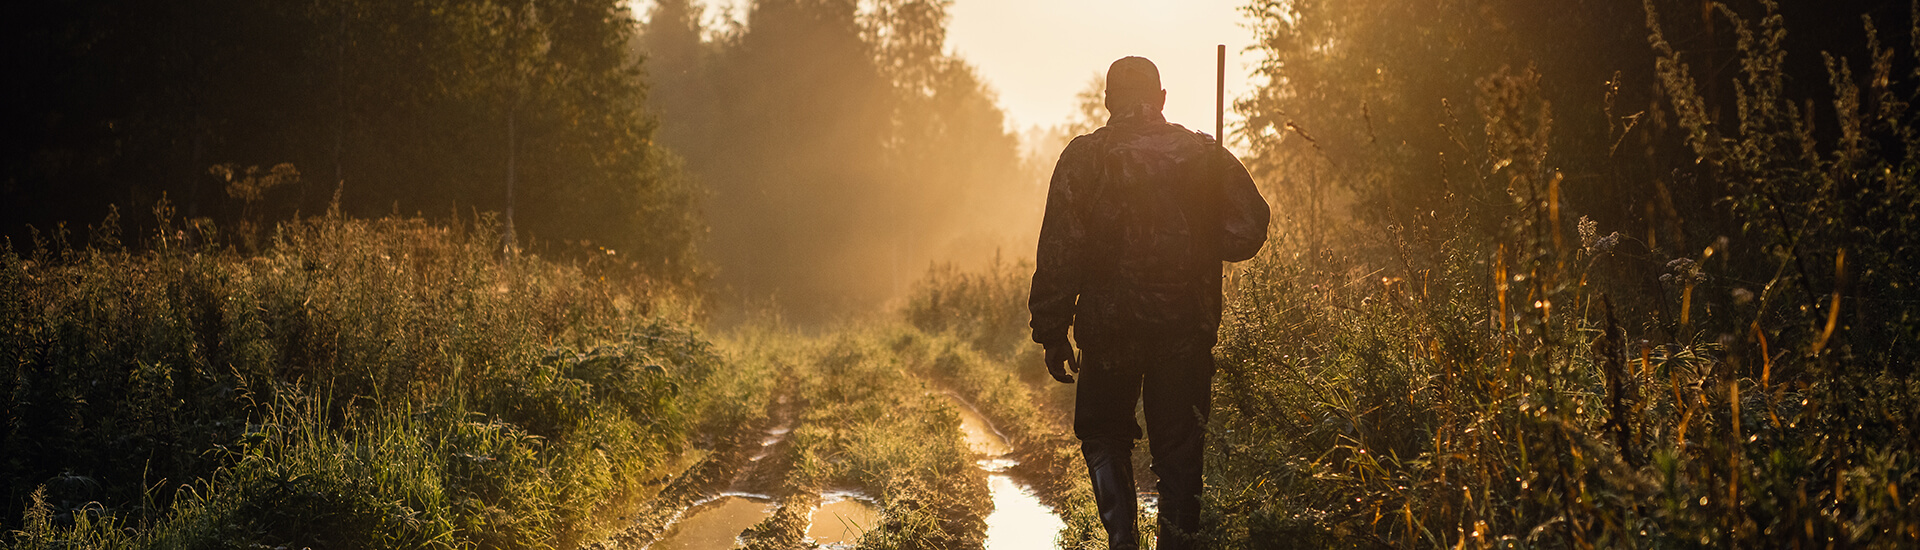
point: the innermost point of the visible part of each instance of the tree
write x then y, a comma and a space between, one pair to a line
845, 149
423, 106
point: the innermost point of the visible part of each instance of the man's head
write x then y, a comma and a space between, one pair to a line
1133, 81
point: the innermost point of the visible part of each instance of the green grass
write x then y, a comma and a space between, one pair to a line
1040, 434
1493, 376
1504, 374
1547, 384
1359, 409
870, 422
356, 384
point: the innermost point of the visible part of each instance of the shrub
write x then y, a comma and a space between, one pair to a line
357, 383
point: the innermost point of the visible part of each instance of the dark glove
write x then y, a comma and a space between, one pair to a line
1061, 357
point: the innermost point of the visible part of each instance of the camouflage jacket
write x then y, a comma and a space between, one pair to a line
1139, 216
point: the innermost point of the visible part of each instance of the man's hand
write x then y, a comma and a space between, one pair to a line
1060, 358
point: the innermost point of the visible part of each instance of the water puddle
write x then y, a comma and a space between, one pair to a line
840, 520
715, 524
981, 437
1018, 521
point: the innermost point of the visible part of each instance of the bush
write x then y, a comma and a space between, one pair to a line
987, 308
358, 383
1551, 384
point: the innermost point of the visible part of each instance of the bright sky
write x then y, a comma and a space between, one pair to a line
1036, 54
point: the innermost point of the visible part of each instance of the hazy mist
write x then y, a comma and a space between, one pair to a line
845, 150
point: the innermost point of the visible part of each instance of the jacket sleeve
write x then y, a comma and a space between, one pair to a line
1243, 212
1059, 265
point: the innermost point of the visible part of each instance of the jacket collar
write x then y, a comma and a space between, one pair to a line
1135, 115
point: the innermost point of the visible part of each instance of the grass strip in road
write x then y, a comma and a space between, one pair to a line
869, 423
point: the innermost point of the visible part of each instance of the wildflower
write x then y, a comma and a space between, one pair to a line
1592, 242
1684, 271
1606, 244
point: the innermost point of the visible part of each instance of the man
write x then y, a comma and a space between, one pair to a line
1139, 216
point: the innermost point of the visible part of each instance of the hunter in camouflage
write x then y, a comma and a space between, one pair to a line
1139, 216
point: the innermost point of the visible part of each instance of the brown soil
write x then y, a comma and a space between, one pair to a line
730, 467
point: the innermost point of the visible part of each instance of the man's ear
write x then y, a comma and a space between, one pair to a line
1160, 103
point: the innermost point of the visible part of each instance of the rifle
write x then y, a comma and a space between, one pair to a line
1211, 196
1220, 95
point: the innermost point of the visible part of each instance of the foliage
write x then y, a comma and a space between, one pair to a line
1468, 355
527, 107
1494, 373
984, 308
359, 383
1369, 117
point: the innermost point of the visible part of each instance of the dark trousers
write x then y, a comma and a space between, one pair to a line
1174, 376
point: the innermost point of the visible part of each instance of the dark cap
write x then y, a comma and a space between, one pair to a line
1133, 75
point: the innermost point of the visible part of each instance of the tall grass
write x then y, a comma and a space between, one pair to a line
357, 383
987, 311
1505, 373
1528, 388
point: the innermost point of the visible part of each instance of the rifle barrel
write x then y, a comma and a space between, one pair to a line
1220, 95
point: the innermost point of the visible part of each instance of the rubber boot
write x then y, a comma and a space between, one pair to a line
1177, 463
1110, 464
1177, 403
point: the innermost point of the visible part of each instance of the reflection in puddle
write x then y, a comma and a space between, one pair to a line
715, 524
1019, 521
840, 520
981, 436
775, 436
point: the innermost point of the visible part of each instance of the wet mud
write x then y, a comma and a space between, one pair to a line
841, 518
1019, 521
715, 524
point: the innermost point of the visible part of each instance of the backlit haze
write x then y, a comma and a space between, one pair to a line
826, 239
1038, 53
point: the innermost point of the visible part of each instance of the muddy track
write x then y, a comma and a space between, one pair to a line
1047, 458
1049, 463
746, 460
758, 461
1042, 463
769, 472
